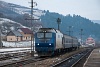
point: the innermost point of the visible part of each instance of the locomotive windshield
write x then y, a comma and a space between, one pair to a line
44, 35
40, 35
48, 35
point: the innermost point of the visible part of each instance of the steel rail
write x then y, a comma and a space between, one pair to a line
71, 61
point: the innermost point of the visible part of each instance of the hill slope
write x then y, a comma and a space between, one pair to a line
77, 22
18, 13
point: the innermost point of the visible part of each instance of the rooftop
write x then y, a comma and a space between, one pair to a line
26, 30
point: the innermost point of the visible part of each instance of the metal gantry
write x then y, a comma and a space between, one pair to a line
81, 35
69, 29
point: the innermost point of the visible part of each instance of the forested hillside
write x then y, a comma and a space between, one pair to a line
75, 21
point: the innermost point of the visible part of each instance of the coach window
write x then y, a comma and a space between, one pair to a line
66, 41
69, 41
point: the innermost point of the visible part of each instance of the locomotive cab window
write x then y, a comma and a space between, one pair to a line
48, 35
40, 35
44, 35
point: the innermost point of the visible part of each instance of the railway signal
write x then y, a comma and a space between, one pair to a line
58, 22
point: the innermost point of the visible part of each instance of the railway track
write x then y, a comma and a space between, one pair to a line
73, 60
10, 56
6, 54
49, 62
16, 57
17, 63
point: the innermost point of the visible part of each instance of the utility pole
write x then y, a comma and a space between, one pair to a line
32, 18
32, 38
32, 51
0, 37
58, 22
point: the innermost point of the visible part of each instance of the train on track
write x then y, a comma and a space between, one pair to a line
49, 41
90, 42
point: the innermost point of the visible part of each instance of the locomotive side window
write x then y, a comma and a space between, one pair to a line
40, 35
58, 36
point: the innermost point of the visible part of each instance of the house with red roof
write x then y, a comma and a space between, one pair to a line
27, 34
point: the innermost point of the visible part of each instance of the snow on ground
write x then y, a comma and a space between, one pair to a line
17, 44
13, 49
5, 20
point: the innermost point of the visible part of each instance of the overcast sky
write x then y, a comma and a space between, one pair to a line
86, 8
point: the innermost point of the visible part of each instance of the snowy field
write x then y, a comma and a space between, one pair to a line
17, 44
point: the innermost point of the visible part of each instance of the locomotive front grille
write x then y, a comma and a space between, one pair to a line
44, 40
42, 49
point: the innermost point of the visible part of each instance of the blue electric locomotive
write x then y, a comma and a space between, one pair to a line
45, 41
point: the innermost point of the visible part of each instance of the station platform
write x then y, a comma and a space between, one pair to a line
94, 59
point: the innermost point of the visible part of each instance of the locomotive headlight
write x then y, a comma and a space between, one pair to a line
38, 44
49, 44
